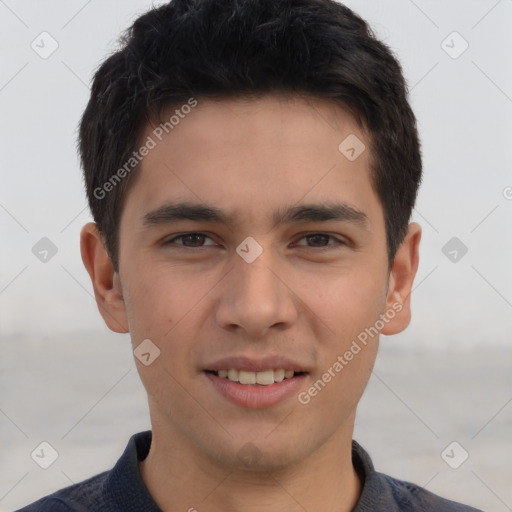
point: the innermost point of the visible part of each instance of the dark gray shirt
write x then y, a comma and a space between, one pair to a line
122, 489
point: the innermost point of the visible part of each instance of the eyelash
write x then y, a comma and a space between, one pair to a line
321, 247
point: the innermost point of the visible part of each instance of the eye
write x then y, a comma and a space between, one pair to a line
320, 240
313, 240
190, 240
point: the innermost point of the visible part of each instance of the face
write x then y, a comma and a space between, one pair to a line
249, 242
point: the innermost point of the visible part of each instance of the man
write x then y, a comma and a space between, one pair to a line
251, 167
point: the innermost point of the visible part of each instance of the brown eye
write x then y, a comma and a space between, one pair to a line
193, 240
190, 240
320, 240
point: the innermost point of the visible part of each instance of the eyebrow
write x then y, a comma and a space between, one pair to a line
172, 212
321, 213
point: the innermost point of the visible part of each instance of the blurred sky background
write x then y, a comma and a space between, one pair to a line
66, 379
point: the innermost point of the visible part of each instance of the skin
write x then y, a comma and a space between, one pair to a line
306, 298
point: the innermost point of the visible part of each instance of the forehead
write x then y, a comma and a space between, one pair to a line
249, 155
275, 120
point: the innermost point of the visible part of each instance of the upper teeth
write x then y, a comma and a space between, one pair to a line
264, 378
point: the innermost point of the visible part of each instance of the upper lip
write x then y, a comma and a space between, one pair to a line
249, 364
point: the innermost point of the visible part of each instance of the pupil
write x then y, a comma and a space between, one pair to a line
196, 238
318, 238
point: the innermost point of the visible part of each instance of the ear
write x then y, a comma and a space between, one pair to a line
401, 279
106, 282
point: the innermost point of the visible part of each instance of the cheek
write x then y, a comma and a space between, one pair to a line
159, 298
348, 308
334, 393
347, 302
161, 309
166, 306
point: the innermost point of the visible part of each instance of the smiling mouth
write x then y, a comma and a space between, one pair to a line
263, 378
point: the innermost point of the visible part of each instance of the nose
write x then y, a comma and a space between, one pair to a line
256, 298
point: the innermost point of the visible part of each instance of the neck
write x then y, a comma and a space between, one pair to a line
179, 478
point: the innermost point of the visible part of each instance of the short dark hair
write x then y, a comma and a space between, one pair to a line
243, 48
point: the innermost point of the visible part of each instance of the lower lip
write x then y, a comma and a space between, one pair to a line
255, 396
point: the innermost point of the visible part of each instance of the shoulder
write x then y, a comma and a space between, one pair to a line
409, 496
121, 489
79, 497
47, 504
383, 493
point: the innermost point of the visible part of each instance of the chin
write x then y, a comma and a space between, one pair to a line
259, 453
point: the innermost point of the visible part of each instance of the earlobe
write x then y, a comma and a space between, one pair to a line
105, 281
401, 279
